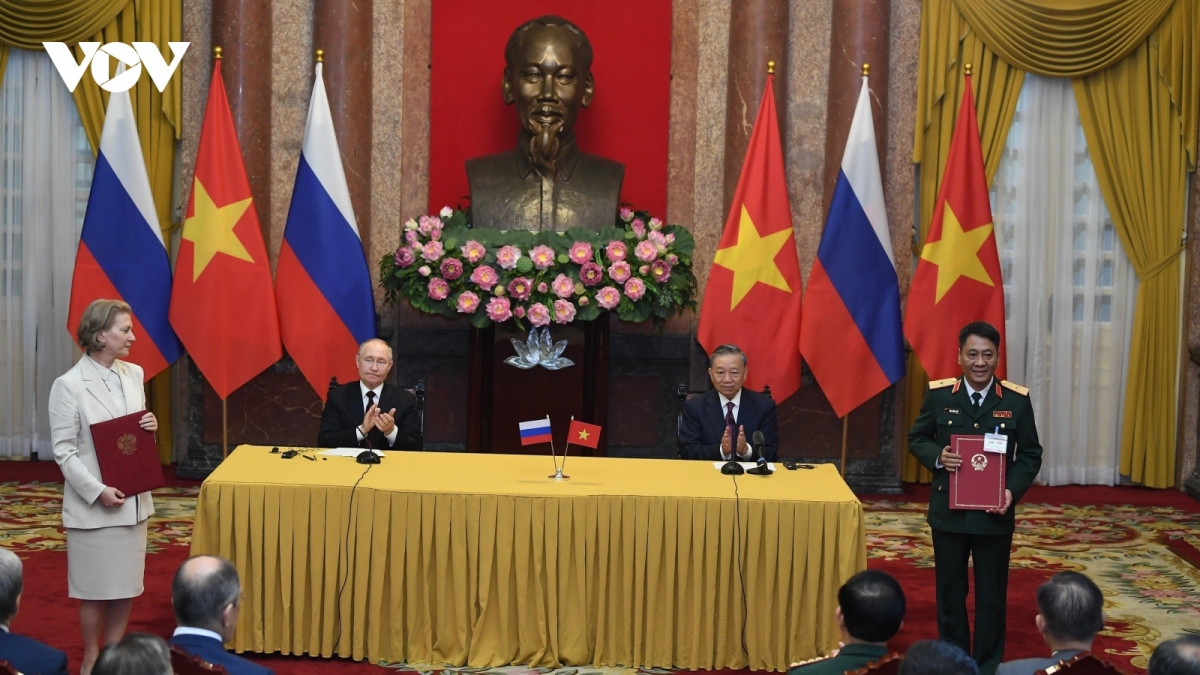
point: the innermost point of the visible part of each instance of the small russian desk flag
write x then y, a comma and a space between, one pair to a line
537, 431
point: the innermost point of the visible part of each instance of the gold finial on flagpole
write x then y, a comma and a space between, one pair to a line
320, 56
217, 53
967, 69
770, 67
866, 70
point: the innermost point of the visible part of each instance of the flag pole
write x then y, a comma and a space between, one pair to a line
567, 447
558, 471
224, 429
845, 432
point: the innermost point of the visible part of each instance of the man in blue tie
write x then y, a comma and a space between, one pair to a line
721, 422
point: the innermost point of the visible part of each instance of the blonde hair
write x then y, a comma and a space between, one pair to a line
97, 318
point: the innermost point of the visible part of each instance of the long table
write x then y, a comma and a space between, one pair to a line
481, 560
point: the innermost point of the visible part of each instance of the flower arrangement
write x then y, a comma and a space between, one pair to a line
638, 268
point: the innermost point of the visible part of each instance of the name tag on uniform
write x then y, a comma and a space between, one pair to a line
952, 411
1002, 413
997, 443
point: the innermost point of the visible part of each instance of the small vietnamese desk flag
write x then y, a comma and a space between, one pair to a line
536, 431
852, 339
753, 295
322, 285
582, 433
222, 302
958, 276
121, 254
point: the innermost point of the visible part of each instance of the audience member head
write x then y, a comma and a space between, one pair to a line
1070, 611
727, 369
1180, 656
135, 654
930, 657
11, 584
205, 594
374, 361
870, 607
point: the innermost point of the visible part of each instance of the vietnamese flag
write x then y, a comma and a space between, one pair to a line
582, 433
753, 295
958, 277
222, 300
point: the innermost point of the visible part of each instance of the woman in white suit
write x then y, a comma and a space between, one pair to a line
106, 529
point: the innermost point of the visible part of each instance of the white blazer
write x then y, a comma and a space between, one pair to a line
79, 399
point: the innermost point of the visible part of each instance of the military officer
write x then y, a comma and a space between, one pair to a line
870, 612
976, 403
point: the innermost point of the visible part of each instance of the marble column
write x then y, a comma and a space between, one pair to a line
343, 31
242, 29
758, 31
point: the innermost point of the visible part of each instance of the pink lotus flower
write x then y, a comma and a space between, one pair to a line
538, 314
591, 274
655, 224
452, 268
405, 257
564, 287
635, 288
639, 227
485, 277
499, 309
446, 212
519, 312
508, 256
580, 252
564, 311
468, 302
670, 238
432, 251
438, 288
427, 224
659, 239
410, 224
435, 235
608, 297
620, 272
542, 256
672, 259
626, 215
660, 270
616, 251
644, 270
646, 251
542, 287
583, 301
424, 270
413, 238
473, 251
520, 288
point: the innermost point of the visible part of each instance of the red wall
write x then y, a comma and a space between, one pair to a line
629, 115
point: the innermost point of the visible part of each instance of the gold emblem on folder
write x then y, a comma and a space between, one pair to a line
979, 461
127, 444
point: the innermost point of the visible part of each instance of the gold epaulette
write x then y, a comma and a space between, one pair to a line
1024, 391
812, 660
937, 384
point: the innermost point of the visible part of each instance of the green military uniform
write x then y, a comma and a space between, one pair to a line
850, 657
984, 537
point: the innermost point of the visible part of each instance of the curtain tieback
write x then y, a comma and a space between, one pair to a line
1159, 265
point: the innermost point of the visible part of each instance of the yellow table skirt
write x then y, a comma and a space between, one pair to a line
480, 560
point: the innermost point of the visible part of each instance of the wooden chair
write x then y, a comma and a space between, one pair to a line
183, 663
684, 395
1084, 663
6, 668
888, 665
417, 390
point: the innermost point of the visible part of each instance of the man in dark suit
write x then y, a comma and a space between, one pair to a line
870, 612
1180, 656
27, 655
721, 423
367, 409
1070, 613
206, 594
976, 403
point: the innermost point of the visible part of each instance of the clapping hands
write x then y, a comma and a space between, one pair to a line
385, 422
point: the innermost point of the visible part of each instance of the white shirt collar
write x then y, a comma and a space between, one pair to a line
203, 632
3, 627
362, 388
971, 391
736, 400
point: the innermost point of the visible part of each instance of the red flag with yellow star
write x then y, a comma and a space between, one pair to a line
958, 277
222, 301
753, 295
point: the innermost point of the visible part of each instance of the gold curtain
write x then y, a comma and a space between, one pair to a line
1137, 65
26, 25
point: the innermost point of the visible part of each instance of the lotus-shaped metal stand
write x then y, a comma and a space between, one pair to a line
539, 350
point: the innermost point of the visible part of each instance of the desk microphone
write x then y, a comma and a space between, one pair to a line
762, 469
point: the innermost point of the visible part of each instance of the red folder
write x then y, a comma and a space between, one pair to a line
978, 484
128, 455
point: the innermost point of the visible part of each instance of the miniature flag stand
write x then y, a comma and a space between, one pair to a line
580, 433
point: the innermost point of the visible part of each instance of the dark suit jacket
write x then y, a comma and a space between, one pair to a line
31, 657
948, 410
213, 651
704, 424
344, 411
1030, 666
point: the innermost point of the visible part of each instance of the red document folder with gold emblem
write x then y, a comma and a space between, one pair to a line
128, 455
978, 484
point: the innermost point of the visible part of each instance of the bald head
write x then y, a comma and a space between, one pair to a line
374, 361
11, 583
205, 591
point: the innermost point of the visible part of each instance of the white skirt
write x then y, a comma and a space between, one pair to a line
107, 563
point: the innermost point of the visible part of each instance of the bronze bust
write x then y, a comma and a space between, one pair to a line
545, 183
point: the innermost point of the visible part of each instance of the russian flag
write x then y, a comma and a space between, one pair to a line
537, 431
851, 338
322, 285
121, 254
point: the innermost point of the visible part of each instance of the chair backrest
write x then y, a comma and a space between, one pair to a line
683, 395
183, 663
888, 665
1083, 663
6, 668
417, 390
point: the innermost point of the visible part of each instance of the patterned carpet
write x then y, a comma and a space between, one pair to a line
1141, 547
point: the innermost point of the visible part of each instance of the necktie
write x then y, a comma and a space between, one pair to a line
977, 399
729, 422
370, 399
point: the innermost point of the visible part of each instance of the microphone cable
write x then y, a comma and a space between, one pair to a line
737, 530
337, 608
